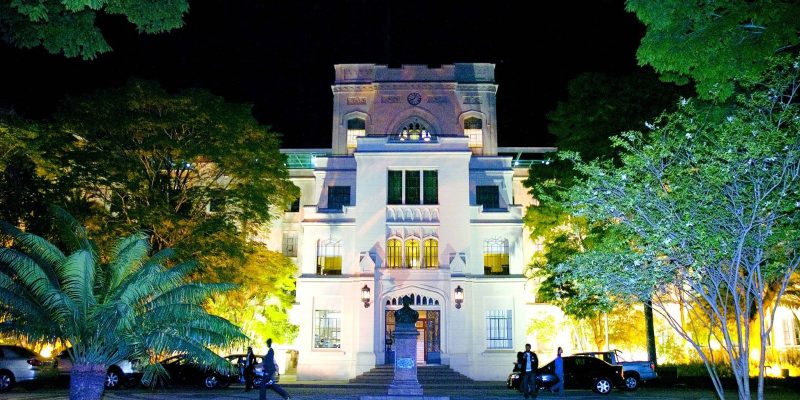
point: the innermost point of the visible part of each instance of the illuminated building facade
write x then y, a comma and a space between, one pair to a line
415, 198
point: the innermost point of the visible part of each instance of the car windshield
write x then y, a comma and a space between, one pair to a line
22, 352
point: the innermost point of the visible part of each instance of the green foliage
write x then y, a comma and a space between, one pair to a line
715, 43
196, 173
712, 209
131, 306
69, 26
599, 106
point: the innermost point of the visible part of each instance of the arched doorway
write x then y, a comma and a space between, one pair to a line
429, 327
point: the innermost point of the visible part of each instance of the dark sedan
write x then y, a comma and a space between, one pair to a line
182, 370
580, 372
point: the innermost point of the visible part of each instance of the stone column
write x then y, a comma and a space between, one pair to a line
405, 381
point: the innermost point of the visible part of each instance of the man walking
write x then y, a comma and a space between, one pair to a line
249, 366
559, 364
528, 364
268, 368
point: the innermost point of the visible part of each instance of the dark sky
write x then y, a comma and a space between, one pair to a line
279, 56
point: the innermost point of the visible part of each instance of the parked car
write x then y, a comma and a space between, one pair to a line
579, 372
635, 371
183, 370
19, 365
238, 360
123, 373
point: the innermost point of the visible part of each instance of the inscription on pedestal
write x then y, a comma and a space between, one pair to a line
405, 363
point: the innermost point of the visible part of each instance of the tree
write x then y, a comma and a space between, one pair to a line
712, 212
123, 304
598, 106
715, 43
196, 173
70, 26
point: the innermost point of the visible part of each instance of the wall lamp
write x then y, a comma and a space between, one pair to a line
365, 297
459, 296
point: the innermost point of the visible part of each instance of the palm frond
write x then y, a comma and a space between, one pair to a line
37, 248
77, 274
194, 293
72, 232
127, 257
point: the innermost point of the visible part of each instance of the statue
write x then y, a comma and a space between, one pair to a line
406, 314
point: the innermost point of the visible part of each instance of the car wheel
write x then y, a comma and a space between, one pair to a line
211, 381
113, 379
6, 381
602, 386
631, 382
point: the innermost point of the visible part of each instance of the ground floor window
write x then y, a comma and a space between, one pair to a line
498, 329
327, 329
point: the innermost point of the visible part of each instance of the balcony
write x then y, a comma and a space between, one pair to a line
412, 213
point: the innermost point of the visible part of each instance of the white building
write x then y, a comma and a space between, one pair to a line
413, 198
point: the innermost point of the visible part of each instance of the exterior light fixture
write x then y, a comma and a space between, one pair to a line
365, 297
459, 296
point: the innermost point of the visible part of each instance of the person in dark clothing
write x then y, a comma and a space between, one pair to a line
268, 369
249, 369
528, 364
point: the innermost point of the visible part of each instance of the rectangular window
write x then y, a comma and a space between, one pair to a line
338, 196
290, 244
295, 206
356, 127
487, 196
329, 258
430, 194
498, 329
412, 187
327, 329
395, 187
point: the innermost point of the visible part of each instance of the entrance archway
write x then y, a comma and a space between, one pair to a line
429, 327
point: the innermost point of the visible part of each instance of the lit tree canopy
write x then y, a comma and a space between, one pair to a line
712, 211
715, 43
70, 26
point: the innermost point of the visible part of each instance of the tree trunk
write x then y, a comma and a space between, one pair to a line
651, 332
87, 382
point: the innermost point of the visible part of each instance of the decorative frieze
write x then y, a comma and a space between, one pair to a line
412, 213
437, 99
472, 100
351, 101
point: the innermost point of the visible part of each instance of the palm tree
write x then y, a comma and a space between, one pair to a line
127, 305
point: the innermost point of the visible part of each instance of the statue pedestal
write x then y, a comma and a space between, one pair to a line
405, 381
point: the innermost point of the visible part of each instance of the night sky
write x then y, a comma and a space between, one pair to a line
279, 56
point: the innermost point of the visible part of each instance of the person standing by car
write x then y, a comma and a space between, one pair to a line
249, 369
559, 367
268, 368
529, 363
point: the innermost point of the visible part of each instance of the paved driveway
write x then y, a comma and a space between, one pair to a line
321, 393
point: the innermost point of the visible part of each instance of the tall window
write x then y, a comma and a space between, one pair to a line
487, 196
394, 253
413, 187
431, 251
338, 196
290, 244
412, 253
498, 329
329, 257
355, 127
327, 329
473, 129
495, 257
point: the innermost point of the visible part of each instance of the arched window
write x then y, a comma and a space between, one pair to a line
412, 253
431, 253
495, 257
415, 131
329, 257
394, 253
473, 129
355, 127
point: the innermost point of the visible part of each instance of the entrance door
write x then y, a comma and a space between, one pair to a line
429, 328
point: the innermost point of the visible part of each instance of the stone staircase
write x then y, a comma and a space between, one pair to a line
429, 376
